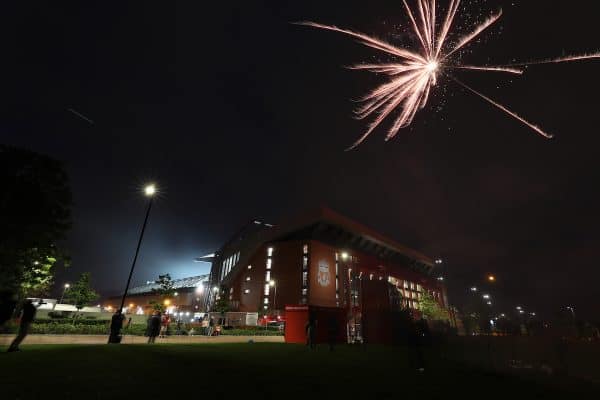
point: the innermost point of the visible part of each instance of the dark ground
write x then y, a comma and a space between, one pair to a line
261, 371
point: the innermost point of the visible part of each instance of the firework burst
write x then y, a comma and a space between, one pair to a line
414, 72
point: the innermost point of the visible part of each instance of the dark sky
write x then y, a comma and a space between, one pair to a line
237, 114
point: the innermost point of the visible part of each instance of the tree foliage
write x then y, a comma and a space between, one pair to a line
222, 302
81, 294
430, 308
165, 291
35, 210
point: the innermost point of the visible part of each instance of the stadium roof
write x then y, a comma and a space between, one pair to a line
178, 284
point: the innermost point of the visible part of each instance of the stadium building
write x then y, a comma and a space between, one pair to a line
321, 260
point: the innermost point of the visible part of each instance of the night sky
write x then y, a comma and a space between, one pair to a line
237, 114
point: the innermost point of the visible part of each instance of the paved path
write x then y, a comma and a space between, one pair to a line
128, 339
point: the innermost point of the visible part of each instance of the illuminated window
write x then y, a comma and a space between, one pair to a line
370, 277
231, 290
304, 292
249, 266
269, 262
266, 301
269, 251
305, 278
265, 307
419, 288
268, 276
248, 278
267, 287
305, 249
304, 262
405, 284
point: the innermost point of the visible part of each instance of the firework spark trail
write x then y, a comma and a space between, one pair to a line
414, 74
506, 110
487, 69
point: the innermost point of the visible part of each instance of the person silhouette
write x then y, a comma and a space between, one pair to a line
27, 317
116, 324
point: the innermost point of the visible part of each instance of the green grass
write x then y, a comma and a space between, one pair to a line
254, 371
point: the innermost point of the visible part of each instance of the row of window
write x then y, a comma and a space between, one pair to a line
228, 264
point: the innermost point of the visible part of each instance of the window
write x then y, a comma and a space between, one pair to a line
270, 252
370, 277
269, 263
246, 291
305, 249
266, 301
268, 276
304, 262
267, 287
305, 278
248, 279
304, 292
249, 266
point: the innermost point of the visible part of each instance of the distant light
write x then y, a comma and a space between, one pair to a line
486, 296
176, 294
67, 286
440, 278
521, 311
489, 303
131, 305
473, 289
518, 307
271, 283
344, 255
150, 190
199, 289
167, 302
533, 314
502, 315
439, 261
187, 314
215, 289
36, 262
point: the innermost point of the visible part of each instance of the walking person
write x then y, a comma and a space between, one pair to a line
27, 317
332, 332
211, 326
154, 327
164, 325
116, 324
311, 332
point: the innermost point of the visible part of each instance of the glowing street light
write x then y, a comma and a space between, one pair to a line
491, 278
150, 190
63, 293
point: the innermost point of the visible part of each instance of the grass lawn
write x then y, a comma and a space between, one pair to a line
254, 371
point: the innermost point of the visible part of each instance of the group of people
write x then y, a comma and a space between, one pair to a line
157, 325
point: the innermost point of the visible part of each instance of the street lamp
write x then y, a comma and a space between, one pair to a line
149, 191
63, 293
272, 284
491, 278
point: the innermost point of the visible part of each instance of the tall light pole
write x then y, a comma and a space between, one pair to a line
149, 191
274, 286
63, 293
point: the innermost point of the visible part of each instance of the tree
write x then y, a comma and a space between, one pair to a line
81, 294
165, 290
222, 302
431, 308
35, 210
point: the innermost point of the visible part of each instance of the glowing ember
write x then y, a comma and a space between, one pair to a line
415, 72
